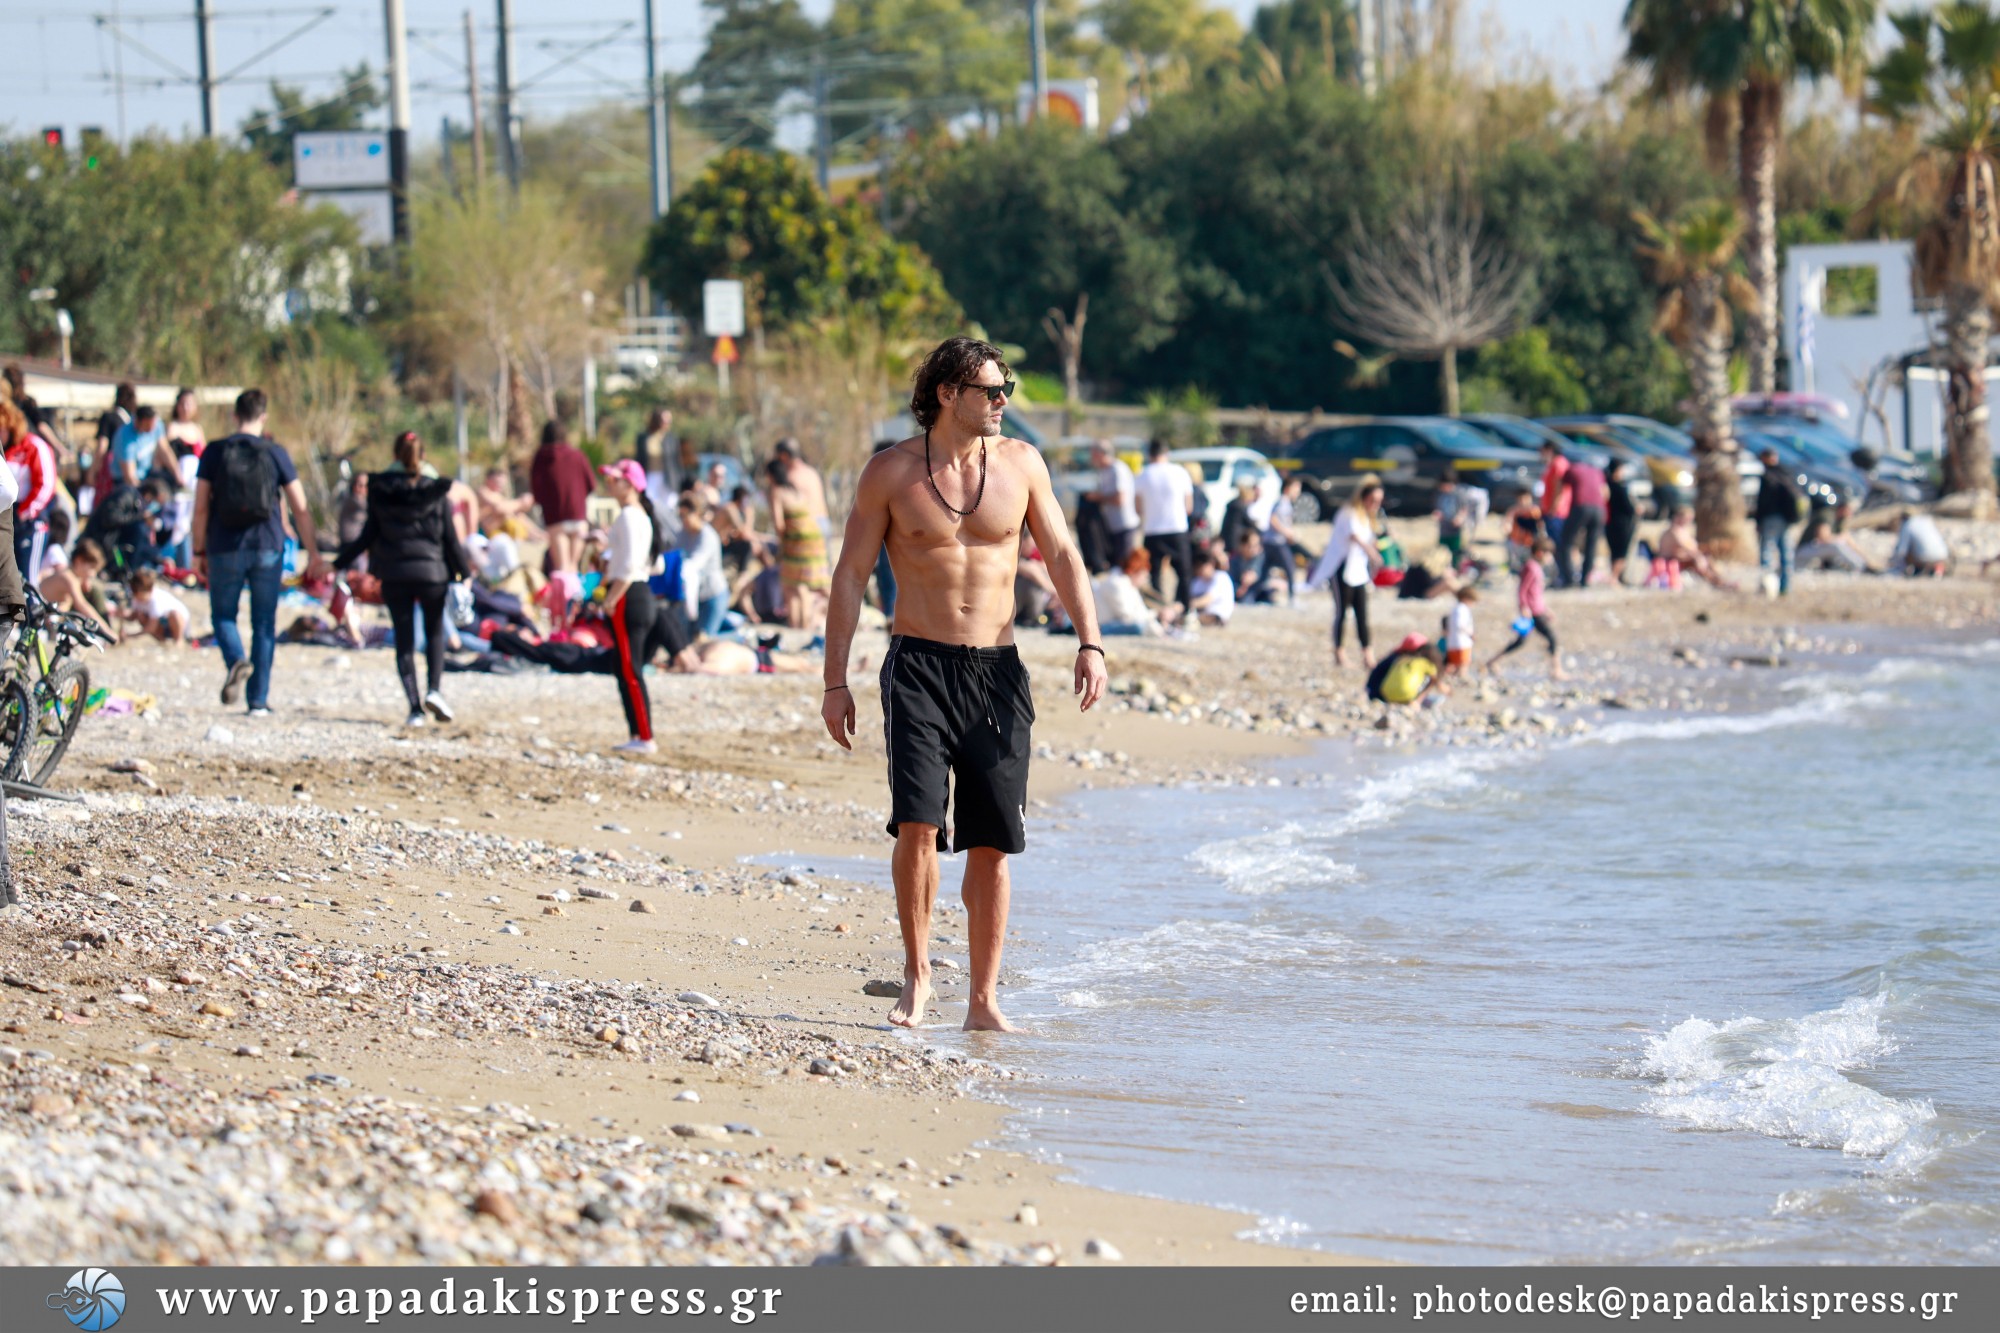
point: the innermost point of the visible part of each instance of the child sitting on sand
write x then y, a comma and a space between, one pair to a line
1458, 633
159, 612
1534, 605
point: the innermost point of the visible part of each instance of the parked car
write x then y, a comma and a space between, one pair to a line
1669, 454
1522, 433
1410, 455
1222, 470
1892, 478
1825, 481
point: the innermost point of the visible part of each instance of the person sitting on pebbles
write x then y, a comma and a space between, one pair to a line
1678, 545
159, 613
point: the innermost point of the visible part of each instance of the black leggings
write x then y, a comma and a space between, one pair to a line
1543, 628
1346, 598
641, 626
403, 598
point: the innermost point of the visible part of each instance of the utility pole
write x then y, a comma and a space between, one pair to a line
882, 158
204, 42
399, 118
1364, 40
1038, 56
478, 117
658, 151
510, 127
822, 126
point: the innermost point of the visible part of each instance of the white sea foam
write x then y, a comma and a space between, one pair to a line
1788, 1079
1888, 671
1827, 706
1292, 857
1269, 862
1084, 999
1193, 953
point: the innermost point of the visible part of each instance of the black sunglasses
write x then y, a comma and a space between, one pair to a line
994, 392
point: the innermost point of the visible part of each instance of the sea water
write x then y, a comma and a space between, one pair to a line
1687, 989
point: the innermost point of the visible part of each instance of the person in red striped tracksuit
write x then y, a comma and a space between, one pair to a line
640, 623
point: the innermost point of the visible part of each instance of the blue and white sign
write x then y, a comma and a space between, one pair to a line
338, 159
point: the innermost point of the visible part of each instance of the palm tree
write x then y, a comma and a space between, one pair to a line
1944, 75
1750, 51
1693, 261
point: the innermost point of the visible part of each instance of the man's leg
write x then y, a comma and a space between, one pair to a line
914, 867
1156, 555
225, 598
1784, 559
986, 892
1183, 556
266, 577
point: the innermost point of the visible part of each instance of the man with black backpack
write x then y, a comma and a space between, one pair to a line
245, 483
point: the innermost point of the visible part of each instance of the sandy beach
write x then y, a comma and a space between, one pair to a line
316, 988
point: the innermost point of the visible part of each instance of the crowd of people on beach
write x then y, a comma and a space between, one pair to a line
682, 563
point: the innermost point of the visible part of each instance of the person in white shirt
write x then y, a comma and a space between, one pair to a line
159, 612
1458, 634
705, 586
1211, 593
639, 623
1121, 607
1114, 500
1350, 563
1164, 496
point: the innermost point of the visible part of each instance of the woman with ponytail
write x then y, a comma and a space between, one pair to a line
413, 548
640, 623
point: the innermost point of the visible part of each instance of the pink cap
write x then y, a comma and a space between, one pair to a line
626, 470
1413, 643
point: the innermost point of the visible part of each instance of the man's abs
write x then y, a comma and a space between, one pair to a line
954, 594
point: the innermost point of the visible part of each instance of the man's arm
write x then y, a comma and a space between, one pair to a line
302, 523
1051, 533
198, 527
867, 524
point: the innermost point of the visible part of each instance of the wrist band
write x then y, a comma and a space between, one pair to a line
831, 688
1090, 648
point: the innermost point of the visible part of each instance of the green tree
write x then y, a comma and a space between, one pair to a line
269, 132
759, 217
1693, 260
177, 260
1524, 373
1029, 221
1751, 50
1944, 76
935, 60
1170, 44
758, 53
1298, 39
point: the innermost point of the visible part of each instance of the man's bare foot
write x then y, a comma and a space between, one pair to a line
909, 1009
1340, 657
987, 1018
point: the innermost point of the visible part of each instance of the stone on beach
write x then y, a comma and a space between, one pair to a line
885, 990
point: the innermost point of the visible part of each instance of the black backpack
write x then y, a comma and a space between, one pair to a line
244, 480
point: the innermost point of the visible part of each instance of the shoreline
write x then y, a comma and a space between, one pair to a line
420, 1000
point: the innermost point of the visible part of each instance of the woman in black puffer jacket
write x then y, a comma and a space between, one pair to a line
413, 548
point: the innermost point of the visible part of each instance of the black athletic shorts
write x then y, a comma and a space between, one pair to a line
958, 715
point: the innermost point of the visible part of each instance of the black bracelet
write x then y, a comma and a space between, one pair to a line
1090, 648
831, 688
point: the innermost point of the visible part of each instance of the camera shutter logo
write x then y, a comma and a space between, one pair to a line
93, 1299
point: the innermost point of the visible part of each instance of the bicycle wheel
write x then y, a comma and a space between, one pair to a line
17, 728
59, 698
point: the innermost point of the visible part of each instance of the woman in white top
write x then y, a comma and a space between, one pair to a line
639, 623
1121, 607
1350, 563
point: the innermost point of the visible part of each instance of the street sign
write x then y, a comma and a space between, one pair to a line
725, 351
336, 159
372, 210
722, 308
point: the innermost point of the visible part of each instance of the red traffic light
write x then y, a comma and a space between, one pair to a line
52, 136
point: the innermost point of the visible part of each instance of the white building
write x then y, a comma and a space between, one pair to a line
1851, 315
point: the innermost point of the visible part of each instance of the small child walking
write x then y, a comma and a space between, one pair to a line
1534, 606
1458, 633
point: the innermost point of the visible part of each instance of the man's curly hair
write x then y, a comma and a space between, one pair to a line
955, 361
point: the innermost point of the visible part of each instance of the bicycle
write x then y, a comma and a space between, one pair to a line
45, 691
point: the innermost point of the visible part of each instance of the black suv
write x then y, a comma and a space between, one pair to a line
1410, 455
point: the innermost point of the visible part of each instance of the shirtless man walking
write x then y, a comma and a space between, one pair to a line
951, 505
